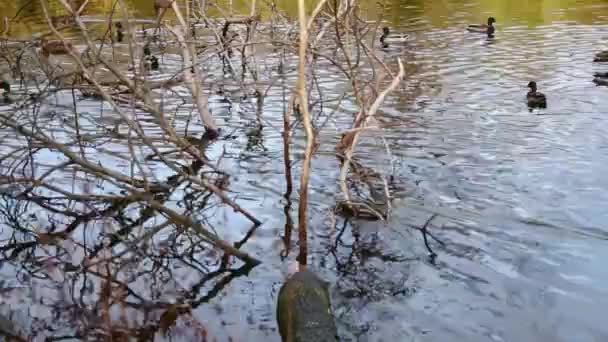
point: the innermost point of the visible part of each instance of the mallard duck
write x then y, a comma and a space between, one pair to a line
50, 49
484, 28
535, 98
62, 20
119, 33
8, 97
6, 92
601, 78
55, 47
601, 81
387, 38
368, 200
150, 61
601, 56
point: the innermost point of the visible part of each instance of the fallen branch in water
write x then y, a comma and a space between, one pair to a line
131, 183
349, 140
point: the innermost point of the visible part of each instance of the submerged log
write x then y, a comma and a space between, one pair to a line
304, 310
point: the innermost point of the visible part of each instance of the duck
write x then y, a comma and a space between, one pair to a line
601, 56
9, 98
535, 99
63, 20
387, 38
6, 93
601, 81
52, 48
150, 61
55, 47
119, 32
484, 28
601, 78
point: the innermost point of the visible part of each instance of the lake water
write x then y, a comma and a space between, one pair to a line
521, 195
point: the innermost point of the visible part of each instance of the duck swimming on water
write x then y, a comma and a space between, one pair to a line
6, 92
484, 28
601, 81
119, 32
55, 47
150, 61
601, 78
535, 98
8, 97
601, 56
388, 38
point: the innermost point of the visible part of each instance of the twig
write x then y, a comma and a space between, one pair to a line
433, 255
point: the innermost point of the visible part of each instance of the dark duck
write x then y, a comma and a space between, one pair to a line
601, 78
6, 93
601, 56
150, 61
535, 98
55, 47
484, 28
119, 32
387, 38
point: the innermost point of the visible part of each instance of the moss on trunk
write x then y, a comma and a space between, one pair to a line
304, 310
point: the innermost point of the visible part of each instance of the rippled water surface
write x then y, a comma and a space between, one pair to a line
522, 195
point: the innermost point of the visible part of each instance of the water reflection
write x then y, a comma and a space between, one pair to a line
521, 196
419, 13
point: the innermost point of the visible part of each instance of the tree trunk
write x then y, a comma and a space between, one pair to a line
304, 310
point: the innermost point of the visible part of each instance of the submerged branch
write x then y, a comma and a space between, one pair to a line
349, 140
